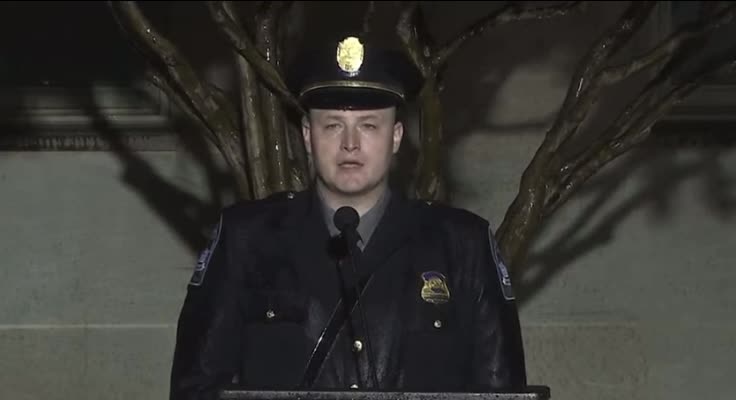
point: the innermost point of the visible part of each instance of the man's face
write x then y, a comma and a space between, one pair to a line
352, 150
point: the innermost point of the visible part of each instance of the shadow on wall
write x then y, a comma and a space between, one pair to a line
485, 67
513, 79
91, 53
663, 171
190, 216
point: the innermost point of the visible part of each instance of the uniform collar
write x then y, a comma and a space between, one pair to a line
303, 224
368, 222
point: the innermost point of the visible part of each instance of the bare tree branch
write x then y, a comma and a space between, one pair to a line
510, 13
674, 51
255, 131
267, 43
298, 163
239, 39
275, 142
187, 108
665, 50
368, 17
408, 30
429, 183
587, 82
182, 75
639, 131
525, 212
412, 30
180, 72
282, 10
160, 82
622, 123
280, 22
275, 138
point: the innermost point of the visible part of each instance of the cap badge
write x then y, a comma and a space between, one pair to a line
435, 289
350, 54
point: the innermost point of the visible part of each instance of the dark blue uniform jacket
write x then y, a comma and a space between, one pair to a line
438, 312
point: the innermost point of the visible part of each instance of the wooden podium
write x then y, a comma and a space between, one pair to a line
531, 393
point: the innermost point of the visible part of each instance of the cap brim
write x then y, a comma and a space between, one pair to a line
352, 98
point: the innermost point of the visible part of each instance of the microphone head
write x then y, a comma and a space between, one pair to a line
346, 218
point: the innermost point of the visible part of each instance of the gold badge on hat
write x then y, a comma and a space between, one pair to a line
350, 54
435, 289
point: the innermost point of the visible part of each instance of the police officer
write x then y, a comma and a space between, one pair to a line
418, 300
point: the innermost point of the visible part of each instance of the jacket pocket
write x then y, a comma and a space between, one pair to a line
434, 351
275, 344
433, 359
274, 306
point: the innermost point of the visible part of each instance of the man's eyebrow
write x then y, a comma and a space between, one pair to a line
370, 116
340, 117
332, 116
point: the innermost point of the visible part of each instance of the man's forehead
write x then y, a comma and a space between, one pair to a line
376, 113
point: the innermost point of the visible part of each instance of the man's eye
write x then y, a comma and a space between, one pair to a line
369, 126
332, 126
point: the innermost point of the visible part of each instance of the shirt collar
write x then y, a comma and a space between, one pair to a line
368, 222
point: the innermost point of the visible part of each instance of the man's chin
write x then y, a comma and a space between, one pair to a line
353, 186
351, 189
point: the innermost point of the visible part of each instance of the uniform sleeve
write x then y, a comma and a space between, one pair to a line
498, 363
208, 327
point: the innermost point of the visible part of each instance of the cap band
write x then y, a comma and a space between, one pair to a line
352, 84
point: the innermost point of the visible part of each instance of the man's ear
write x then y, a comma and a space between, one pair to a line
398, 135
307, 134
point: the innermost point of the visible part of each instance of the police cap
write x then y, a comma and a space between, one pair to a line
349, 74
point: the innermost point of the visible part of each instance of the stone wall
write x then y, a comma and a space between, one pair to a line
629, 285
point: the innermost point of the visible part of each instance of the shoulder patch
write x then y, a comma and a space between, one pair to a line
205, 256
503, 273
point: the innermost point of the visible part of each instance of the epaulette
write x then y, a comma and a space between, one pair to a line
433, 206
285, 195
277, 197
425, 202
257, 206
446, 212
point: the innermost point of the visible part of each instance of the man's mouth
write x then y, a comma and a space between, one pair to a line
350, 164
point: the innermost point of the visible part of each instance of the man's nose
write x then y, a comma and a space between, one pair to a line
351, 139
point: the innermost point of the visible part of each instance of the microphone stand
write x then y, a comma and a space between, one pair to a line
351, 237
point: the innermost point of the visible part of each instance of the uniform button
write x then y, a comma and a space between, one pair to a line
357, 346
353, 386
438, 324
270, 314
290, 195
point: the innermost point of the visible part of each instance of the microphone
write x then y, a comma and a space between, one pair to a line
346, 220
